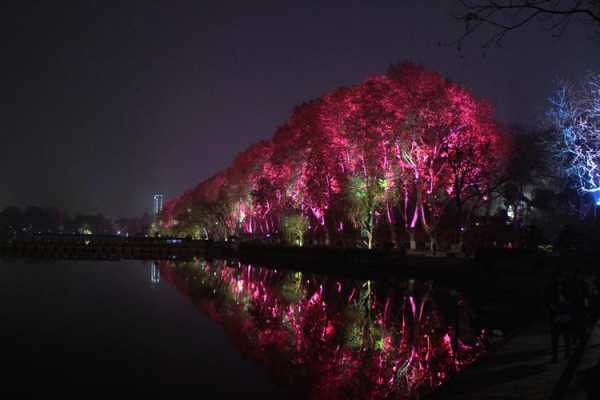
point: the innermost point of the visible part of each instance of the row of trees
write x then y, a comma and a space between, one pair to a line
404, 156
16, 222
405, 152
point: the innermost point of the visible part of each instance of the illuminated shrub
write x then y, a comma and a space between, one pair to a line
294, 228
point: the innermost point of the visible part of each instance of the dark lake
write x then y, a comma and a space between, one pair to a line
240, 329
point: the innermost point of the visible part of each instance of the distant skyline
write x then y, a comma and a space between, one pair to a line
107, 103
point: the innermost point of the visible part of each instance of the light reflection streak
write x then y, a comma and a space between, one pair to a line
335, 338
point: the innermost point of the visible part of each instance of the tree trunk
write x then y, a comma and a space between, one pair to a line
370, 228
413, 242
461, 240
393, 235
460, 227
432, 242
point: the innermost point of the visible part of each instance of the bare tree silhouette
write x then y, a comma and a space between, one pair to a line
502, 17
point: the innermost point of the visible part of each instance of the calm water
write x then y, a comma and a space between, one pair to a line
240, 329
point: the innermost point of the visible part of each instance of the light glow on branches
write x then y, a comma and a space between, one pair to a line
395, 149
575, 113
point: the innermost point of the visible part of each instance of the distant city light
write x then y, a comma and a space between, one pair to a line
158, 203
510, 212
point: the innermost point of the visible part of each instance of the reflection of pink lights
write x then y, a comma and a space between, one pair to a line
403, 350
448, 343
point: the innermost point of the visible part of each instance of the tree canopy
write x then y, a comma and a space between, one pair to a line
394, 150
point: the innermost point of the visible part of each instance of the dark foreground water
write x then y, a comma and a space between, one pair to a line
238, 329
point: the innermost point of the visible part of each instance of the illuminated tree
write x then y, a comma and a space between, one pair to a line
244, 175
365, 198
394, 150
575, 114
476, 157
450, 144
294, 228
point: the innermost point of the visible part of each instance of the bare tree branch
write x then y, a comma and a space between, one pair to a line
506, 16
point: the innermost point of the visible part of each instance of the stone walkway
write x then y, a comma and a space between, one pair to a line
520, 369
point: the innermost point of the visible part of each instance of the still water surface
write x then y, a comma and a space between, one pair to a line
240, 329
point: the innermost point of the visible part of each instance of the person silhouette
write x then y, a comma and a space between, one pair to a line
560, 309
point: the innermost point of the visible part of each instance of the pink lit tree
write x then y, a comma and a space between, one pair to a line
395, 150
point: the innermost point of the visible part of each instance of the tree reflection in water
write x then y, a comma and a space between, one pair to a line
331, 337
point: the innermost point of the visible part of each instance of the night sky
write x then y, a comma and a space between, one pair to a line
105, 103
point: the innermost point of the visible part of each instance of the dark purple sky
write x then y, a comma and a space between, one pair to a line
104, 103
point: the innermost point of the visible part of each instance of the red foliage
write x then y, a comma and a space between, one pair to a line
428, 140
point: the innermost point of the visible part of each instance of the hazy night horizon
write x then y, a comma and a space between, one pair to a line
108, 104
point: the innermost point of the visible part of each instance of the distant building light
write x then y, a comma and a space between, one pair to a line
510, 212
157, 203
